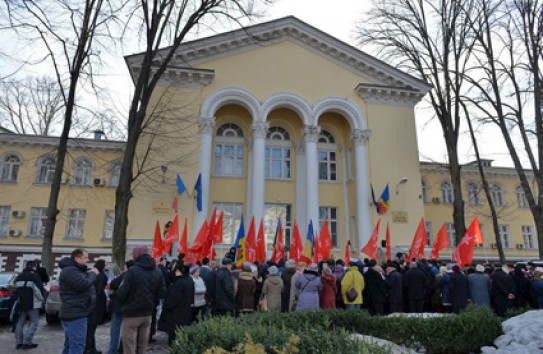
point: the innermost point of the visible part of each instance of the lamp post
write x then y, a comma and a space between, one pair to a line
403, 180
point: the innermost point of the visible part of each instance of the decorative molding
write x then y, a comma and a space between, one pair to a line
51, 143
290, 101
389, 96
342, 106
207, 125
183, 77
311, 133
360, 137
230, 95
260, 129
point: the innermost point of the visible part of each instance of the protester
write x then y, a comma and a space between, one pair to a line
272, 289
480, 287
98, 316
198, 311
537, 286
77, 296
459, 290
352, 280
309, 286
376, 289
329, 289
245, 296
503, 290
287, 275
116, 314
141, 290
205, 274
522, 284
29, 304
42, 272
394, 286
225, 298
414, 281
294, 291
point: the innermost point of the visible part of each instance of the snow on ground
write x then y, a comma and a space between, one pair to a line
395, 348
522, 334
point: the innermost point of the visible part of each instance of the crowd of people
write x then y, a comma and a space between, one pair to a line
164, 295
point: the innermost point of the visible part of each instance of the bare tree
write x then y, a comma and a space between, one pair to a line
66, 30
160, 23
432, 40
506, 82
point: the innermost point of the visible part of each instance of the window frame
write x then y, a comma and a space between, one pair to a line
229, 236
5, 213
522, 202
226, 140
451, 233
429, 235
11, 167
79, 222
473, 194
286, 222
109, 221
45, 172
505, 236
333, 223
82, 175
114, 174
36, 222
425, 186
283, 145
528, 236
447, 195
497, 192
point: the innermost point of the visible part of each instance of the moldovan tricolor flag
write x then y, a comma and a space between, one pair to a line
183, 245
389, 247
348, 253
261, 244
157, 243
296, 247
239, 244
307, 255
441, 242
463, 254
279, 246
419, 242
171, 236
371, 247
326, 241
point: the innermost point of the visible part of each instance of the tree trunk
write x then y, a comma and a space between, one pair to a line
458, 202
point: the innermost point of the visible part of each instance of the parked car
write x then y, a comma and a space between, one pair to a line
7, 293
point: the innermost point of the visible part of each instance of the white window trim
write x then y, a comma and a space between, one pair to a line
4, 220
77, 219
39, 230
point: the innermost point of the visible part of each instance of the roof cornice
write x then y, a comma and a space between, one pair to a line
49, 142
390, 96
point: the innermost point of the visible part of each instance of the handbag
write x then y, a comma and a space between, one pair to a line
352, 294
262, 304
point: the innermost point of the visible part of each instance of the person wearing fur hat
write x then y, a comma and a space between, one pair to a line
245, 296
329, 289
309, 286
480, 287
537, 286
290, 270
272, 289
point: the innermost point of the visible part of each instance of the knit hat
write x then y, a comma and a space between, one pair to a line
291, 263
313, 267
372, 263
247, 267
273, 270
327, 271
139, 251
193, 269
456, 268
479, 268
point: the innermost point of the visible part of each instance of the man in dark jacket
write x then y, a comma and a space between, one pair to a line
394, 287
414, 281
290, 270
225, 301
459, 290
116, 314
503, 289
28, 279
139, 293
77, 295
376, 289
209, 280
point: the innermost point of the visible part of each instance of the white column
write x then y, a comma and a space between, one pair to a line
250, 169
260, 131
311, 137
363, 213
346, 213
207, 127
301, 200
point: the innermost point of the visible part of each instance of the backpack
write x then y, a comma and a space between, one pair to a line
25, 294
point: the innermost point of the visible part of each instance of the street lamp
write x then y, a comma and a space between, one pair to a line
403, 180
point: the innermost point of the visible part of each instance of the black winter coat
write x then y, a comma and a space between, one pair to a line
502, 285
375, 286
76, 289
224, 290
285, 295
114, 303
458, 291
414, 282
209, 277
142, 288
98, 316
177, 309
394, 287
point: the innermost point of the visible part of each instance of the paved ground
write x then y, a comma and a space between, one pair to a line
50, 339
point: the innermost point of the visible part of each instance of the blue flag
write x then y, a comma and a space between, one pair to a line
180, 185
241, 234
198, 188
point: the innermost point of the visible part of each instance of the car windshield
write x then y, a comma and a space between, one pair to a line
5, 278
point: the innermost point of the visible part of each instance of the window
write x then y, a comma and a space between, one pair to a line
4, 220
36, 225
76, 223
83, 172
330, 213
521, 198
9, 168
425, 191
115, 175
451, 232
327, 157
46, 169
473, 194
231, 220
528, 236
446, 193
229, 151
272, 213
428, 225
109, 219
497, 195
277, 154
505, 235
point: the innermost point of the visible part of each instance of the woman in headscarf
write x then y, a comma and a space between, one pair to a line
329, 289
272, 289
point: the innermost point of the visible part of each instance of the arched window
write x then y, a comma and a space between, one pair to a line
46, 169
446, 193
115, 174
473, 194
9, 167
229, 150
83, 171
327, 157
425, 191
277, 153
521, 197
497, 195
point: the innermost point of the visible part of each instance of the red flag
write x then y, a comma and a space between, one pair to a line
279, 247
464, 252
478, 234
389, 250
207, 250
183, 246
157, 243
175, 204
371, 247
195, 252
261, 244
171, 236
348, 253
250, 243
419, 241
296, 246
326, 241
317, 246
441, 242
218, 229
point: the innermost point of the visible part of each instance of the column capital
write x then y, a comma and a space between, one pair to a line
311, 133
360, 136
260, 129
207, 125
